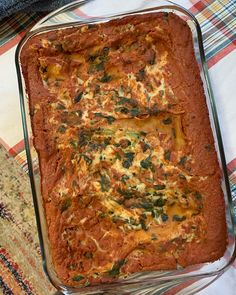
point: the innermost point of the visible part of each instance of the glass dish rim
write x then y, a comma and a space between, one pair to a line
32, 33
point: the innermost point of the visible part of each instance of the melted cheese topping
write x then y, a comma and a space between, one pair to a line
125, 160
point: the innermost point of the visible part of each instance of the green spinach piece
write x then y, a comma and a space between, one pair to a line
167, 155
115, 271
178, 218
106, 78
146, 163
105, 183
183, 160
78, 278
65, 204
159, 187
78, 97
129, 157
167, 121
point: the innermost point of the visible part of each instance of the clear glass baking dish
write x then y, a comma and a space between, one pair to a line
193, 278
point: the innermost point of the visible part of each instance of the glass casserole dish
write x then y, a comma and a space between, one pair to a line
146, 282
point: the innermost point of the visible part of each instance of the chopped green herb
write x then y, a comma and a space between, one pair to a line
118, 156
43, 69
207, 147
124, 143
78, 278
198, 196
74, 143
124, 178
60, 106
133, 134
126, 100
125, 193
115, 271
183, 160
167, 155
107, 141
160, 202
106, 50
72, 266
145, 147
57, 82
156, 213
84, 137
147, 205
65, 204
129, 157
164, 217
141, 75
146, 163
105, 183
100, 66
143, 133
187, 190
102, 215
87, 159
152, 60
135, 112
106, 78
88, 255
143, 224
167, 121
78, 97
62, 129
181, 176
123, 110
109, 119
115, 218
92, 58
153, 237
178, 218
200, 206
159, 187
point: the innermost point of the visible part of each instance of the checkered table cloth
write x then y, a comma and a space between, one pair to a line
218, 23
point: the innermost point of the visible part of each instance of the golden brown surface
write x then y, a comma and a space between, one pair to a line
130, 178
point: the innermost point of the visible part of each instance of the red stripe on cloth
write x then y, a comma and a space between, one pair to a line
12, 42
16, 149
211, 62
197, 7
212, 17
81, 13
232, 165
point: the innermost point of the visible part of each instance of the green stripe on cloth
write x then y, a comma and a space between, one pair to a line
218, 22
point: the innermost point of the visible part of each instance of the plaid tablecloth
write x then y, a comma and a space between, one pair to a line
218, 23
